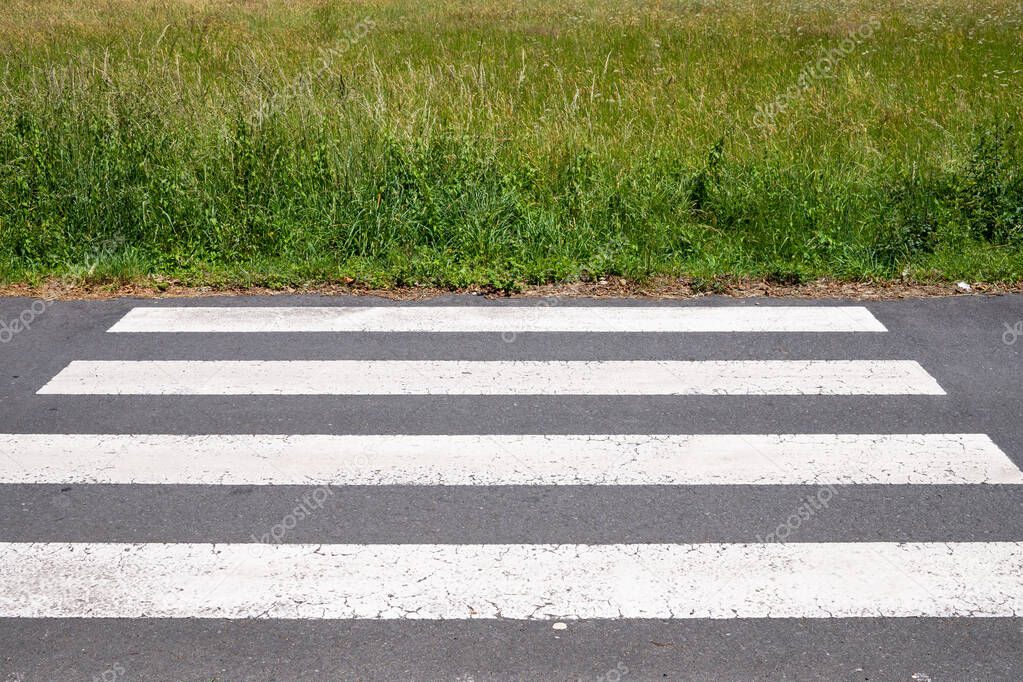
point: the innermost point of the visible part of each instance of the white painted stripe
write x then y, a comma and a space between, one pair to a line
768, 580
501, 319
752, 459
455, 377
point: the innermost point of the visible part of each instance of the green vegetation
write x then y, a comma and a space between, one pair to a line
278, 142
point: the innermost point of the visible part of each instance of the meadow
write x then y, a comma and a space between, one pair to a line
500, 143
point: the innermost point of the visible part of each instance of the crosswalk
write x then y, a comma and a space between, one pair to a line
541, 581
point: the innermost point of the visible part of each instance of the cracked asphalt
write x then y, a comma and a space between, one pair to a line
966, 343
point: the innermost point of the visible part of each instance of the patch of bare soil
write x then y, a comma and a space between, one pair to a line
613, 287
671, 288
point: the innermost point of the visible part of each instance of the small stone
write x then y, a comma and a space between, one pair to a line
560, 626
963, 286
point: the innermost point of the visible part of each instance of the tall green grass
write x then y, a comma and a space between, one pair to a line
504, 142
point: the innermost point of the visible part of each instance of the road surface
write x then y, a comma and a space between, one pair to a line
296, 488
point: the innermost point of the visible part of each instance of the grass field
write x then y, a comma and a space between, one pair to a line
498, 142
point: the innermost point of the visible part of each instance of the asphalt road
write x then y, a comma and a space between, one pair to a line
969, 345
